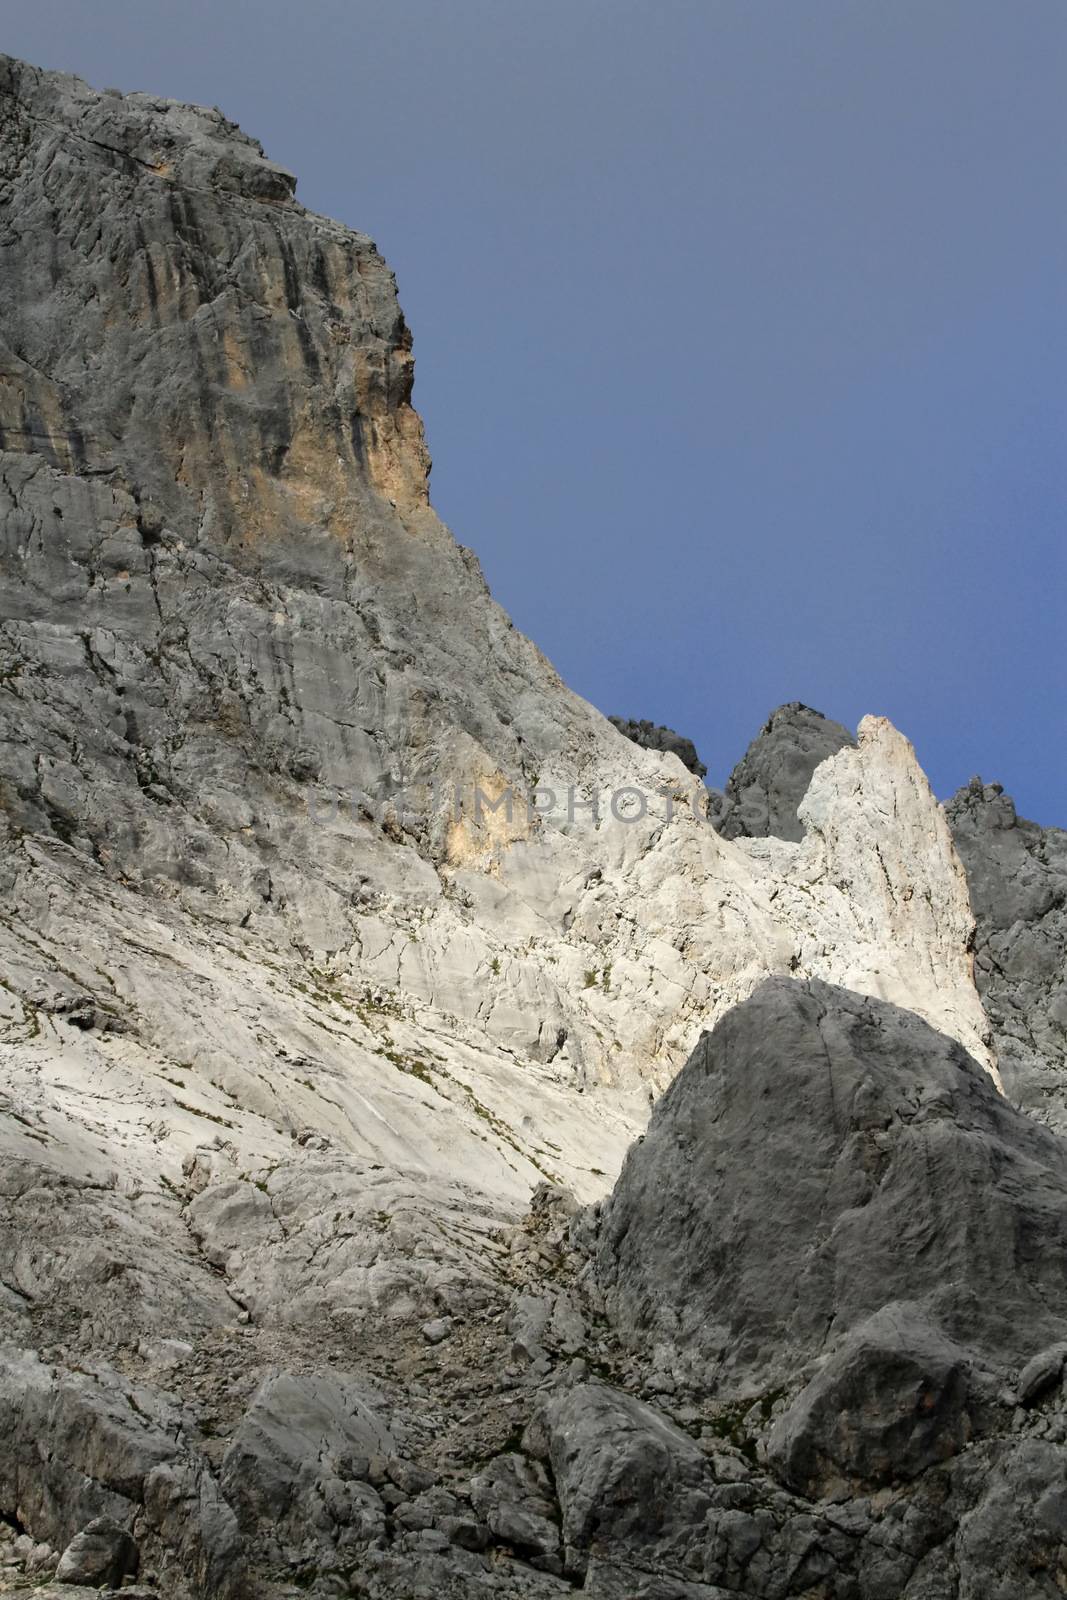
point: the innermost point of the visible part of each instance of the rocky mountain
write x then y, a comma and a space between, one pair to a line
343, 953
764, 791
1017, 882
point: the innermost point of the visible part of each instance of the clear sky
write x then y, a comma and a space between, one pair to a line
740, 327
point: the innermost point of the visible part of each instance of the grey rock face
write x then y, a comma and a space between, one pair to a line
821, 1156
653, 736
103, 1553
88, 1451
237, 647
294, 1423
893, 1400
1017, 876
769, 782
1013, 1542
247, 322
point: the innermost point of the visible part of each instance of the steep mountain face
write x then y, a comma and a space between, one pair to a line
333, 926
874, 1280
257, 703
1017, 882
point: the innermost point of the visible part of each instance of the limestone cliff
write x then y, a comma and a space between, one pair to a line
331, 921
766, 787
1016, 877
240, 652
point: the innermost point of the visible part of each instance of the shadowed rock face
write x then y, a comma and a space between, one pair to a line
1017, 876
839, 1253
651, 736
821, 1156
772, 777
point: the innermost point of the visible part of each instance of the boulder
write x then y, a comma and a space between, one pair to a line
895, 1398
1041, 1374
513, 1496
622, 1472
103, 1553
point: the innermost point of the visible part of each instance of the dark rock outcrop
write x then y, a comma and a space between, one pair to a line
772, 777
649, 1514
820, 1157
1017, 877
102, 1554
653, 736
841, 1237
896, 1398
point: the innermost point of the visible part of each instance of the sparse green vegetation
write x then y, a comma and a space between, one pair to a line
729, 1421
209, 1116
410, 1065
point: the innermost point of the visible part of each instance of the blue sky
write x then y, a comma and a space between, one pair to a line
740, 328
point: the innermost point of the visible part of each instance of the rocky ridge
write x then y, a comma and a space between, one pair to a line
1017, 883
316, 961
764, 791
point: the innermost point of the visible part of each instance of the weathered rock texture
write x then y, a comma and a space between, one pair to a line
748, 1238
1017, 875
837, 1228
315, 957
765, 789
245, 674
